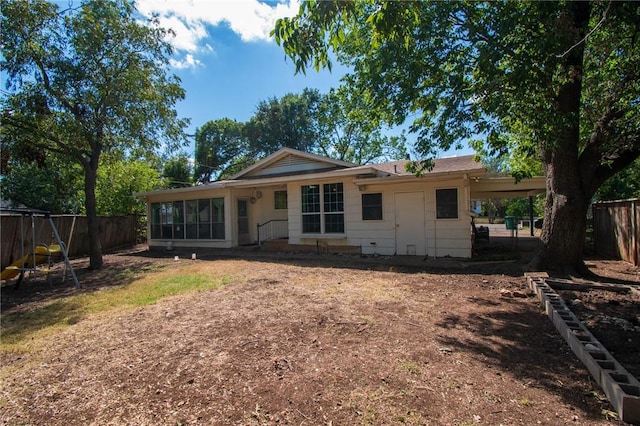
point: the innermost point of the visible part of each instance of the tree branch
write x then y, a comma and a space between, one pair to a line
584, 39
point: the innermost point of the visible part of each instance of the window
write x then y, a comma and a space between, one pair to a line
326, 217
447, 203
217, 218
156, 227
333, 208
178, 220
311, 209
280, 200
190, 219
162, 220
372, 206
204, 219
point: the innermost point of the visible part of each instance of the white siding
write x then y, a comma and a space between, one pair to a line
444, 237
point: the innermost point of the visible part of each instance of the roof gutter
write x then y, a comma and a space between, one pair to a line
428, 176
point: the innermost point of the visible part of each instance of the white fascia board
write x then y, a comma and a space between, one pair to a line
427, 177
508, 184
244, 183
189, 189
485, 195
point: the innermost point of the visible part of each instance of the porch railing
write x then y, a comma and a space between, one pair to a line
272, 229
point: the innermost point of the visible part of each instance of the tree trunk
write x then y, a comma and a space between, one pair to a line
565, 216
564, 226
95, 247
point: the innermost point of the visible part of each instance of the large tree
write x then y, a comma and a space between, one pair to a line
344, 131
285, 122
177, 171
87, 81
118, 179
556, 80
219, 145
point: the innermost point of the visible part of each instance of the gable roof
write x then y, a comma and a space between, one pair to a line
288, 165
289, 161
465, 163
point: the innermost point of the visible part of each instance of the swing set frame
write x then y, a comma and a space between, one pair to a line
29, 263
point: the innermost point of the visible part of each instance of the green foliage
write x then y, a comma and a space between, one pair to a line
334, 125
518, 207
547, 86
57, 190
118, 179
87, 81
487, 71
286, 122
177, 172
624, 185
219, 145
345, 132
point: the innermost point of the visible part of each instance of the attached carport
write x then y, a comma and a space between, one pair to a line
485, 188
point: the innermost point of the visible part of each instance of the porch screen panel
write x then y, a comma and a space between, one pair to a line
166, 220
156, 223
191, 207
217, 218
178, 220
311, 209
204, 219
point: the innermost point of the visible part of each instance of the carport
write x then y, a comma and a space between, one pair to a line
484, 188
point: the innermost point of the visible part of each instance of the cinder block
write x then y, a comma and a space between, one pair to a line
622, 389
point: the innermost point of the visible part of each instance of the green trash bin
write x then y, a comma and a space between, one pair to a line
511, 222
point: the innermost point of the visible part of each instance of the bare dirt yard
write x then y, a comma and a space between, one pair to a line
314, 340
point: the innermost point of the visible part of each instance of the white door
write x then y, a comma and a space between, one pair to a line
410, 226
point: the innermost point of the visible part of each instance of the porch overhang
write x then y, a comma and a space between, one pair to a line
506, 187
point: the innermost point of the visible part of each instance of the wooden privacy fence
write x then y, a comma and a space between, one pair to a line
616, 229
16, 234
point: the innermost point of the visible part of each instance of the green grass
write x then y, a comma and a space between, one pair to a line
410, 366
21, 328
525, 401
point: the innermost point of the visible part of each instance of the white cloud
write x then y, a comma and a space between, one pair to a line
187, 62
252, 20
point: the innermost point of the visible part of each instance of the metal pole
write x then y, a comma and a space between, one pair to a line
531, 215
22, 238
63, 249
33, 241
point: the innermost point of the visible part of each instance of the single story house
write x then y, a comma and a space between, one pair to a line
317, 201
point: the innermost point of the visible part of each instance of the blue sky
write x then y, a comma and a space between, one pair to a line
227, 61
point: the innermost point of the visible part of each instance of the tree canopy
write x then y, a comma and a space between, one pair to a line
178, 172
345, 132
219, 145
334, 125
86, 81
285, 122
556, 81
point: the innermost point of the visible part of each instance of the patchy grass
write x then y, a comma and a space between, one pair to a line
19, 329
410, 366
525, 401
